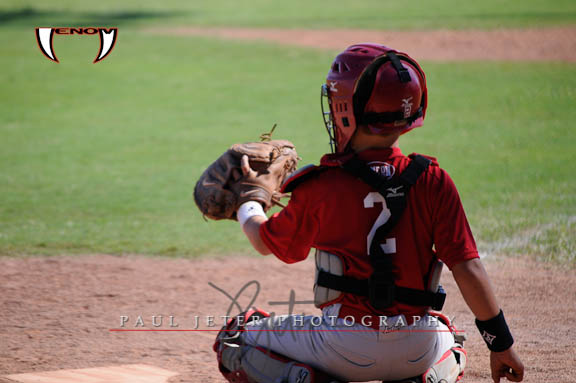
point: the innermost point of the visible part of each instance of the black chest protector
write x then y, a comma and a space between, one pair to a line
380, 287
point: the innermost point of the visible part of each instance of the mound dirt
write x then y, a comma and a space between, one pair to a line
58, 312
532, 44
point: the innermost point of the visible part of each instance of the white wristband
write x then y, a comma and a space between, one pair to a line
249, 209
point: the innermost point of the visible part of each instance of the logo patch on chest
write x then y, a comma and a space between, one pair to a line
382, 168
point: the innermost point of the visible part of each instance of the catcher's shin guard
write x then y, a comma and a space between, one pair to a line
241, 363
450, 367
228, 345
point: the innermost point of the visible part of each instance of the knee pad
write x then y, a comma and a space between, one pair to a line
248, 364
449, 369
229, 346
241, 363
233, 329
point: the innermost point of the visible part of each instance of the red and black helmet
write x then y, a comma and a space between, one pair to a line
374, 86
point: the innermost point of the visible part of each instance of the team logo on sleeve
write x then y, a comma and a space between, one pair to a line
382, 168
45, 37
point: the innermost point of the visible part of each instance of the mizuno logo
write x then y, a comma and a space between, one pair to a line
393, 192
333, 86
45, 36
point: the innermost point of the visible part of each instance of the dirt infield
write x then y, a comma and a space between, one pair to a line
57, 312
536, 44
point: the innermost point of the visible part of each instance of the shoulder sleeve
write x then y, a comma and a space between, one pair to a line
290, 233
298, 177
453, 238
434, 161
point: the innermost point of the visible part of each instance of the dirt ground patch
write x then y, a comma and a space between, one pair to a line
535, 44
57, 312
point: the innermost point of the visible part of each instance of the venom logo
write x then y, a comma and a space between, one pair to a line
108, 37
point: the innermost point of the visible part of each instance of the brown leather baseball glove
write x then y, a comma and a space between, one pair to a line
252, 171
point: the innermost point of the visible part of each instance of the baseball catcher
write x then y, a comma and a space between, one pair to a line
382, 225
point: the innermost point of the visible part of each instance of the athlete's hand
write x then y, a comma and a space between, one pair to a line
253, 171
506, 364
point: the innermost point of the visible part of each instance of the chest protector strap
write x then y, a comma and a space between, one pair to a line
380, 287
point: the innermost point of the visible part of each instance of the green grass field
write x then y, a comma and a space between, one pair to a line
103, 158
371, 14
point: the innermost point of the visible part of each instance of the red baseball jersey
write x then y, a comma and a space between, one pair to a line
338, 213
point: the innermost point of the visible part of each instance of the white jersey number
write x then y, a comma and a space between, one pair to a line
389, 246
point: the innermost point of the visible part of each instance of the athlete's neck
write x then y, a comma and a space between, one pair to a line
363, 140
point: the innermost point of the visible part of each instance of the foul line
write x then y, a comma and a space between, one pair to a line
268, 330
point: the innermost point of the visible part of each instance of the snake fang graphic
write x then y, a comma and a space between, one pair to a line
45, 36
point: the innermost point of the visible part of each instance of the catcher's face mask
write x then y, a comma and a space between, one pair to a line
327, 115
372, 85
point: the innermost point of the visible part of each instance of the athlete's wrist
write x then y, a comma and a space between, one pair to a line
496, 333
248, 210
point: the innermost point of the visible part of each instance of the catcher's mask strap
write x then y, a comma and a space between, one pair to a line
365, 86
388, 118
403, 74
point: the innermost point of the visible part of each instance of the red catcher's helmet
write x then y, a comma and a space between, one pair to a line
375, 86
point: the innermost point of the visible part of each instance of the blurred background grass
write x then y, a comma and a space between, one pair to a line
375, 14
103, 158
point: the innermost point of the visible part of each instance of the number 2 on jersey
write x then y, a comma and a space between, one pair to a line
389, 246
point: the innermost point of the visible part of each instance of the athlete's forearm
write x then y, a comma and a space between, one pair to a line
252, 230
476, 289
